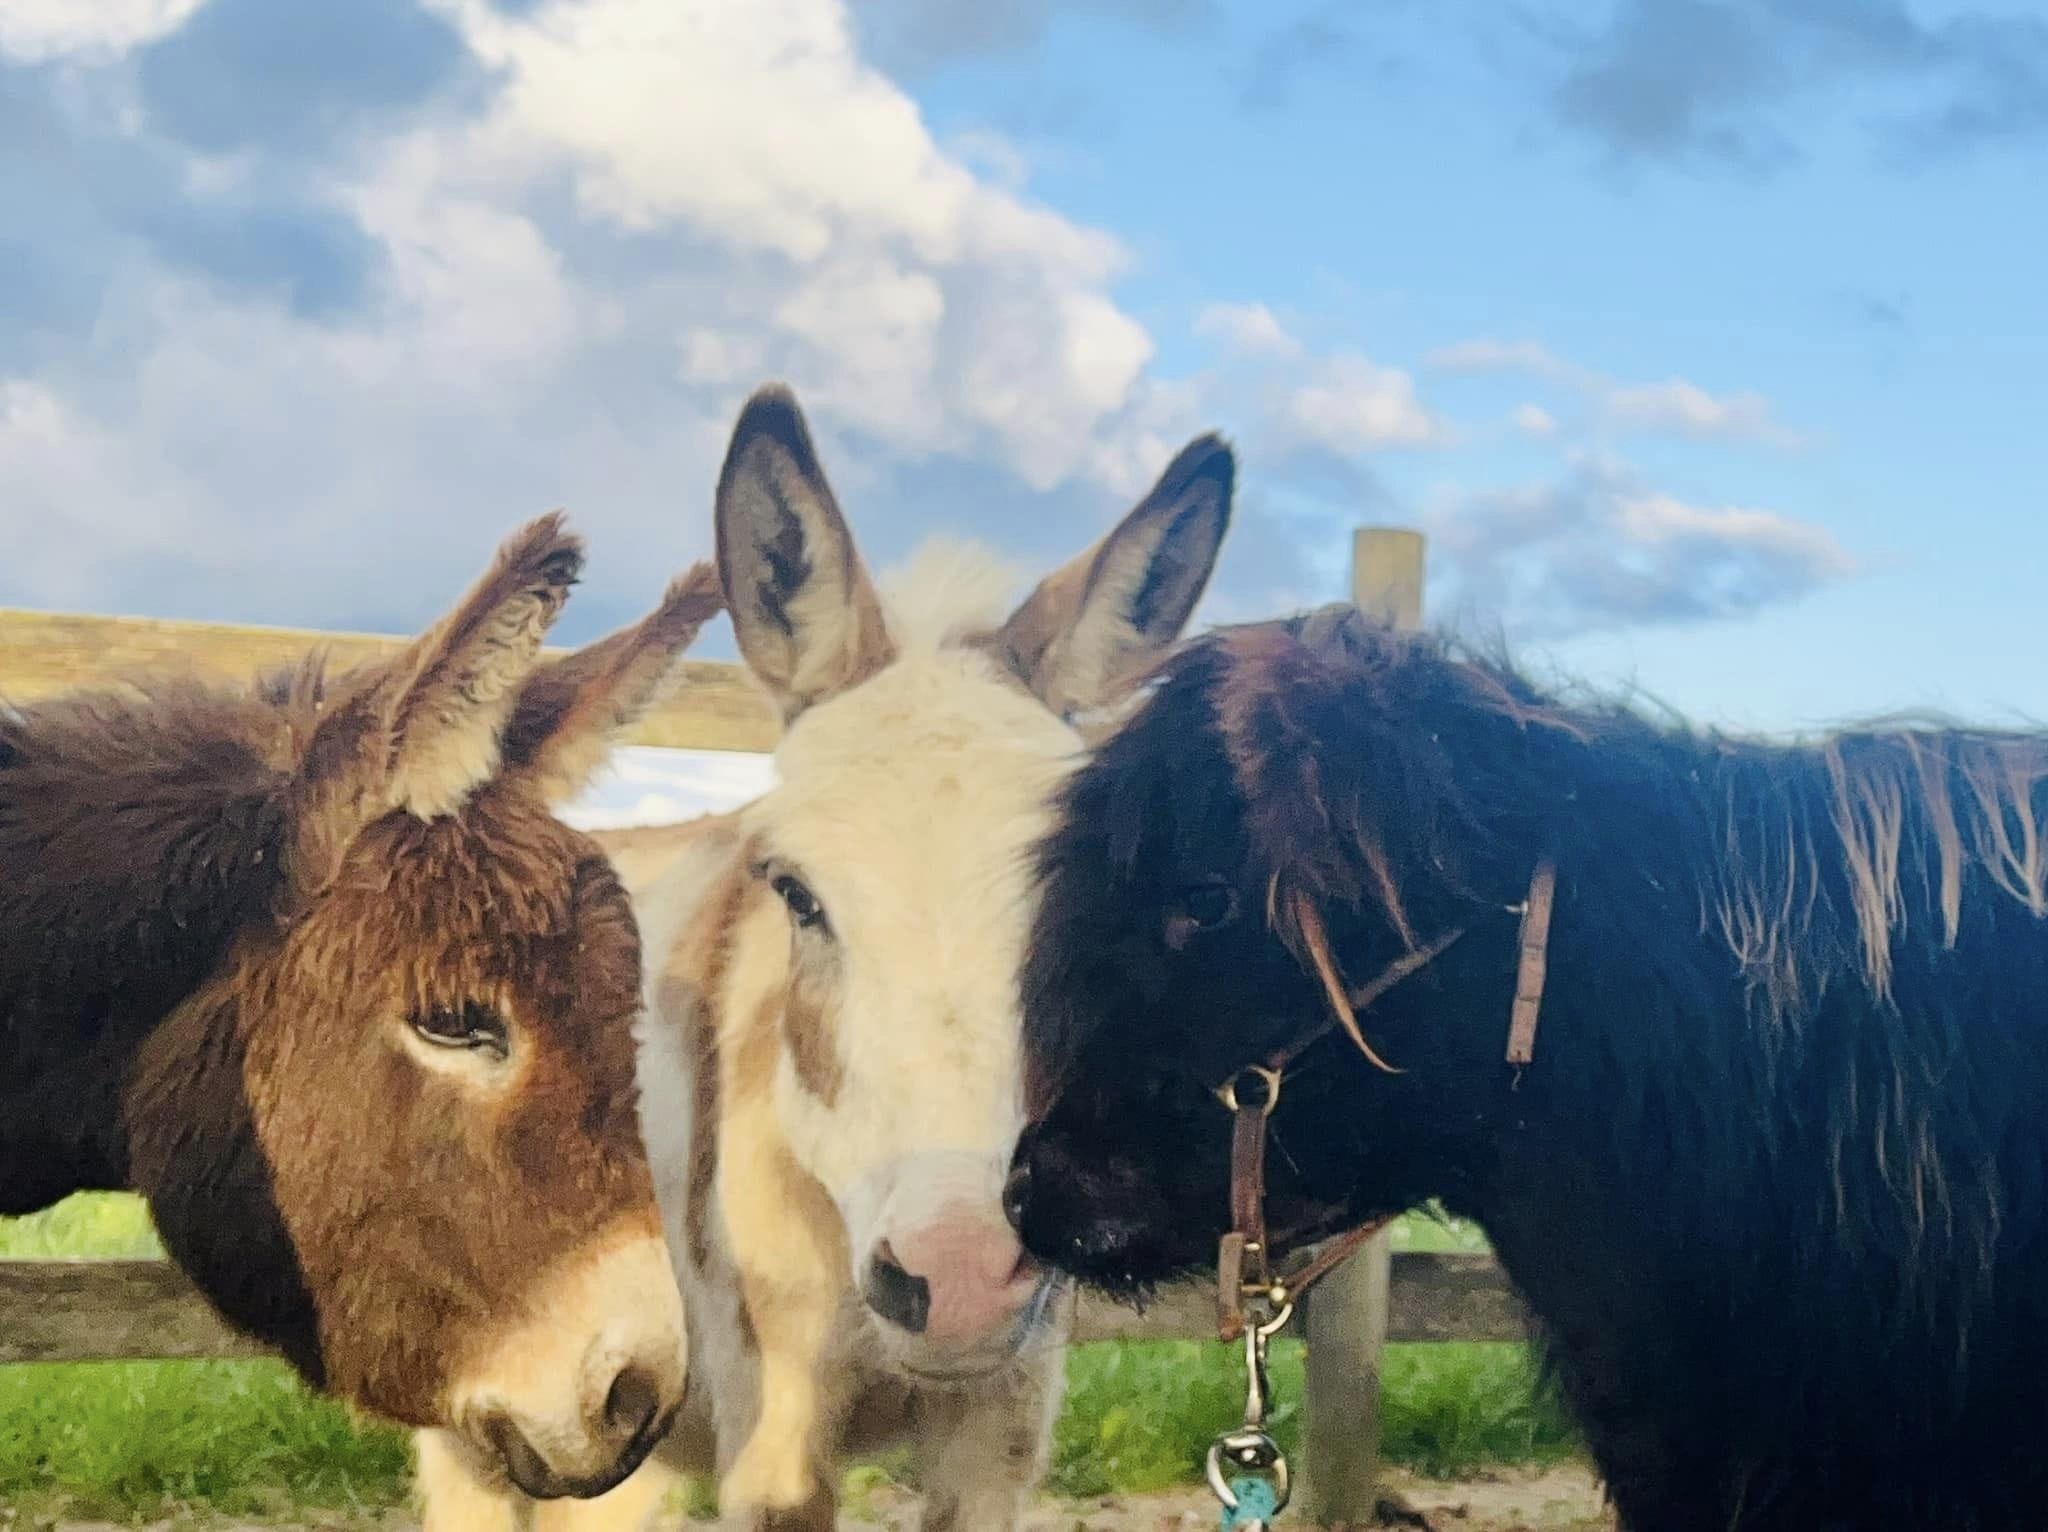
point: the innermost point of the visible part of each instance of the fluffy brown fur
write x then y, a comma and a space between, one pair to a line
260, 951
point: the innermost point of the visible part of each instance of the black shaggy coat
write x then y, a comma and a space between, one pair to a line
1773, 1185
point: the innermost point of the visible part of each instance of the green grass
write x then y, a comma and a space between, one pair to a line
131, 1440
138, 1439
134, 1439
88, 1227
1139, 1417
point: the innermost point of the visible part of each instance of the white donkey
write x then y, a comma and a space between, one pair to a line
830, 1070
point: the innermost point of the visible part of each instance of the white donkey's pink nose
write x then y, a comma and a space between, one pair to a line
954, 1280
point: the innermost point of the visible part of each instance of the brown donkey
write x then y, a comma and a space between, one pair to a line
314, 968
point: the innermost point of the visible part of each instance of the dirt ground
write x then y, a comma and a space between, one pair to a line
1565, 1499
1558, 1500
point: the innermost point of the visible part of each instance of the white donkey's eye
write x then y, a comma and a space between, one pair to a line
803, 904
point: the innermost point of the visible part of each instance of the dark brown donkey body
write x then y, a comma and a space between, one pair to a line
314, 968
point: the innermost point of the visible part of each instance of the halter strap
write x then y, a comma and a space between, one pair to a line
1532, 966
1244, 1269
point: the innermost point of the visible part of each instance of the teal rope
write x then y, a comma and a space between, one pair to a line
1256, 1504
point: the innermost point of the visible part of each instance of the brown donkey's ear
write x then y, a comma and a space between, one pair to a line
803, 608
422, 731
572, 708
1093, 622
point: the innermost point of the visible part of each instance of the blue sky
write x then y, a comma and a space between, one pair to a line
1706, 341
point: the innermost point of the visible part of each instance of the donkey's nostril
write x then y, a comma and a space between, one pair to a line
902, 1299
525, 1467
631, 1404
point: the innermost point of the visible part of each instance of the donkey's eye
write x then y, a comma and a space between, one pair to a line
1210, 905
1198, 907
803, 904
469, 1025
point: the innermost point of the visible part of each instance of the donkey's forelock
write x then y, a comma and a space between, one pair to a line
950, 591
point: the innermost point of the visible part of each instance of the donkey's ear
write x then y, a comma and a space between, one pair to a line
804, 610
1091, 623
571, 709
424, 733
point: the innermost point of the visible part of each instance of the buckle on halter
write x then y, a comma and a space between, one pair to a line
1269, 1078
1244, 1299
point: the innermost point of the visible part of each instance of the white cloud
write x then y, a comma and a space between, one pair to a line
39, 30
1251, 328
918, 301
1534, 420
1686, 409
1337, 402
1598, 549
992, 156
1482, 356
75, 491
663, 203
1352, 405
1672, 407
580, 267
1162, 415
1650, 519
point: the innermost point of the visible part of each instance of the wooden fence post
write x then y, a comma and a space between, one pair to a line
1346, 1319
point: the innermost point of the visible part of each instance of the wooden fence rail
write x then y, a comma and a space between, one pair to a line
712, 706
105, 1311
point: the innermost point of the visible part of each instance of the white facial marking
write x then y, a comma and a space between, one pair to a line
908, 808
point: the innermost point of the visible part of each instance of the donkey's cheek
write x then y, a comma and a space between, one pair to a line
811, 1042
196, 1155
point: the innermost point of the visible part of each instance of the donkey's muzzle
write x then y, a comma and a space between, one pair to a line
954, 1280
570, 1401
1101, 1222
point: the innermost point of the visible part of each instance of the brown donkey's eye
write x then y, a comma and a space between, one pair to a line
470, 1025
803, 904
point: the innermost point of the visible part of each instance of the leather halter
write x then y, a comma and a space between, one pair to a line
1244, 1270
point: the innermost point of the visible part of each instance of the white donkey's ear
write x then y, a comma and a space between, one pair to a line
1091, 623
803, 608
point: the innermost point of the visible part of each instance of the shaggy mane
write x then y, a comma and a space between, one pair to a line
141, 830
145, 825
1832, 850
1848, 880
1910, 813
